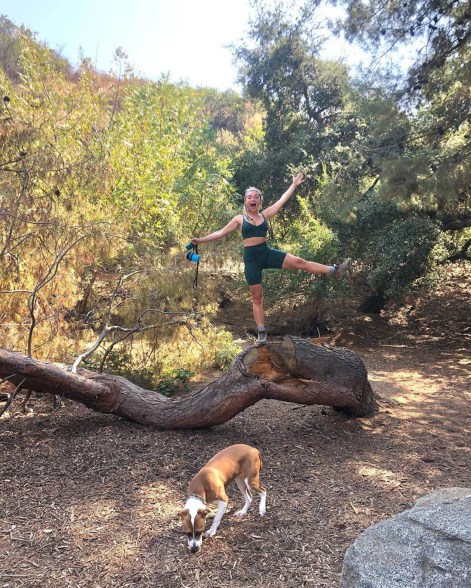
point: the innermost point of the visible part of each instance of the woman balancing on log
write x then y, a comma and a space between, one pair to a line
258, 255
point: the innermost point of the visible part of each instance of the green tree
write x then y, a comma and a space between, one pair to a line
424, 172
363, 143
434, 92
306, 100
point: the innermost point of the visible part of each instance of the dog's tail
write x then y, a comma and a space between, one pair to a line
260, 458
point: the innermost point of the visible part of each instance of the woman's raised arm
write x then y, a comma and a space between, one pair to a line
274, 208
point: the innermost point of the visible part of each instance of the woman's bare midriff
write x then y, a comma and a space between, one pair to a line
251, 241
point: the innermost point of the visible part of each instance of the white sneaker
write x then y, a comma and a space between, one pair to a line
262, 337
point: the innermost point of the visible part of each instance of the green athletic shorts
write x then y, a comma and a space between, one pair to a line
258, 258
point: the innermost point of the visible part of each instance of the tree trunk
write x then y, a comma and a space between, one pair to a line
293, 370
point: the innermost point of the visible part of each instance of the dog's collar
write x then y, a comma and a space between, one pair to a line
198, 497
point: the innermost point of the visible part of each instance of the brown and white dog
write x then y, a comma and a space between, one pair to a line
241, 463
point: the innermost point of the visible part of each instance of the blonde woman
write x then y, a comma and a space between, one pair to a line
258, 255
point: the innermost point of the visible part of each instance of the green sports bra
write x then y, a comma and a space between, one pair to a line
250, 230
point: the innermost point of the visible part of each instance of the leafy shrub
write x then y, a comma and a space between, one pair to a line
176, 381
394, 246
402, 254
196, 346
309, 238
224, 356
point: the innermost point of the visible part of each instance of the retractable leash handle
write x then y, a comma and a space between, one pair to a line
193, 255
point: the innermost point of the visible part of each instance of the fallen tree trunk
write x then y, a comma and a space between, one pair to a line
293, 370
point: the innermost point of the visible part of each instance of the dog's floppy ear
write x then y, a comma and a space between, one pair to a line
202, 512
184, 513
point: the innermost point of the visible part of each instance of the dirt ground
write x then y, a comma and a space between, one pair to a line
90, 500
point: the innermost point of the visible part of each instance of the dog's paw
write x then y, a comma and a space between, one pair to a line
263, 512
240, 513
210, 533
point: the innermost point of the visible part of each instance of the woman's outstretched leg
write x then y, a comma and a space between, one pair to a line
293, 262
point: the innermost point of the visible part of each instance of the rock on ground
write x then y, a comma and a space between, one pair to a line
428, 546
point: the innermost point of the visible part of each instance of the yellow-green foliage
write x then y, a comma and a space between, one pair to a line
50, 222
188, 349
102, 183
196, 346
310, 234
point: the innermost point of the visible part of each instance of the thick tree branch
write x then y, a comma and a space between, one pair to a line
292, 371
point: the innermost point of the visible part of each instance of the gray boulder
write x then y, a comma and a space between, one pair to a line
428, 546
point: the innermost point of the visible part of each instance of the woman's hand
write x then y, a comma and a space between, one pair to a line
196, 240
298, 179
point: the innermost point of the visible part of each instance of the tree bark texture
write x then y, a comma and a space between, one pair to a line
293, 370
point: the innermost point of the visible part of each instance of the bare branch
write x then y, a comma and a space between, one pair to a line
50, 275
89, 351
127, 331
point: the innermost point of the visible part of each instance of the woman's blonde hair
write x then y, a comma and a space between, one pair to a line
251, 189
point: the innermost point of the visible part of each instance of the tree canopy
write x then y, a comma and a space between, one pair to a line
378, 148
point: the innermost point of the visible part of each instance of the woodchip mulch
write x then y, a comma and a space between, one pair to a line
89, 500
